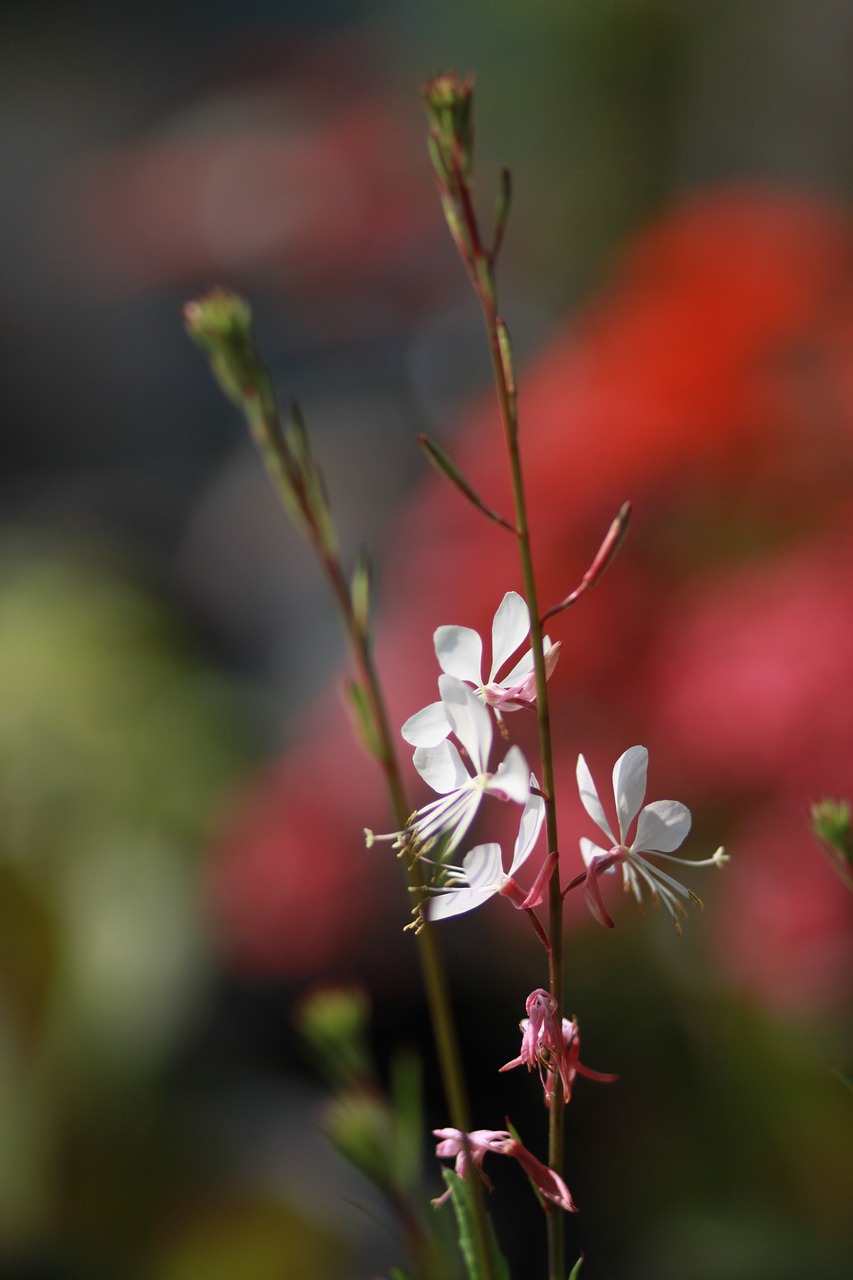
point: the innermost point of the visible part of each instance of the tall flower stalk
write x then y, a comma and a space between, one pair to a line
221, 324
464, 776
448, 103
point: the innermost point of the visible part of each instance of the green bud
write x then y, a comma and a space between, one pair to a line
221, 323
333, 1023
448, 102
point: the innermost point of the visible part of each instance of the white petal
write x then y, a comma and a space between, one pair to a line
521, 669
455, 903
483, 867
524, 665
629, 786
528, 831
428, 727
441, 767
512, 778
590, 851
466, 813
460, 653
590, 800
469, 720
510, 626
663, 826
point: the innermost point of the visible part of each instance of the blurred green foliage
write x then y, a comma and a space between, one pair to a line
119, 745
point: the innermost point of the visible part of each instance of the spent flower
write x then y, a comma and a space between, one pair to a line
458, 1146
552, 1047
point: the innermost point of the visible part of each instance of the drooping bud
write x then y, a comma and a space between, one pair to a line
610, 545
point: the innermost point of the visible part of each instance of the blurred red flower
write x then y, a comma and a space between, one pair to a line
711, 384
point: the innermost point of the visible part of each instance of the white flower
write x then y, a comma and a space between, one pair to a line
661, 827
441, 766
460, 654
481, 875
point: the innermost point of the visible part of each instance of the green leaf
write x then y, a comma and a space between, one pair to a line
362, 713
501, 214
576, 1269
444, 464
361, 592
308, 482
462, 1197
507, 361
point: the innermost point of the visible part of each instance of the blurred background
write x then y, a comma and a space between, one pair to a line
181, 804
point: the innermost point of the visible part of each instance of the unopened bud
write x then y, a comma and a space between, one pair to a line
448, 103
333, 1024
221, 323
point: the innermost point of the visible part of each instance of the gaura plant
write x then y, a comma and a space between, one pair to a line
455, 754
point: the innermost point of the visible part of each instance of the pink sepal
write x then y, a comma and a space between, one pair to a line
548, 1183
526, 901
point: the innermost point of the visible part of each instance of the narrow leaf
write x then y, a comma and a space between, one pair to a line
309, 483
507, 362
461, 1195
362, 713
444, 464
361, 593
501, 214
576, 1269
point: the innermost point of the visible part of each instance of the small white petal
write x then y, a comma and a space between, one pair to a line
483, 867
512, 778
528, 830
524, 666
428, 727
441, 767
590, 800
467, 808
629, 786
469, 720
662, 827
460, 653
590, 851
519, 672
510, 626
455, 903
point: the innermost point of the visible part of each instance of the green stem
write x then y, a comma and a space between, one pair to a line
265, 432
506, 398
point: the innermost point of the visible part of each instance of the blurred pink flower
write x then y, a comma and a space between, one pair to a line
483, 1141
